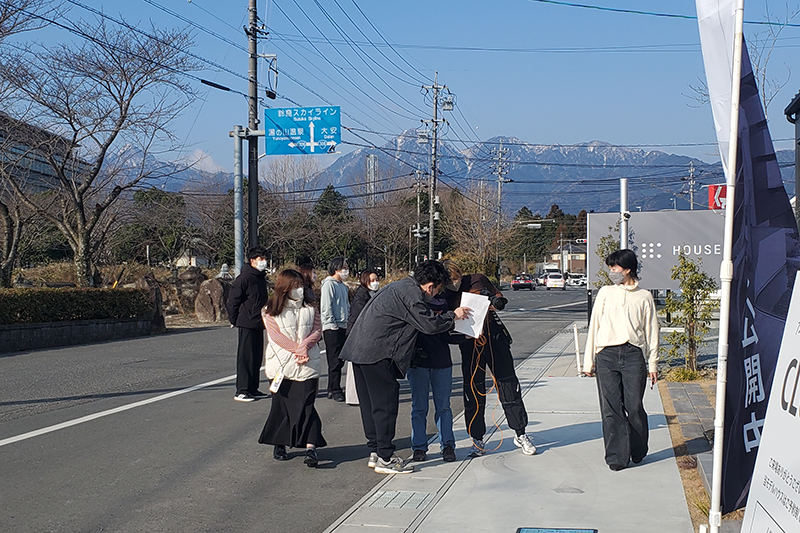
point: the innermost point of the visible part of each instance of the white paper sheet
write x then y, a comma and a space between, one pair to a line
473, 326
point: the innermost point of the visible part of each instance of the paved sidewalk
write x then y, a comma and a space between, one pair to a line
566, 485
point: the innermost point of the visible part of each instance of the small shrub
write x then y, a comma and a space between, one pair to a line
682, 374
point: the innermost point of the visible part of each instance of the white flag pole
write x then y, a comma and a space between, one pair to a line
726, 275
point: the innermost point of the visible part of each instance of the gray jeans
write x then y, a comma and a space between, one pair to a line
621, 380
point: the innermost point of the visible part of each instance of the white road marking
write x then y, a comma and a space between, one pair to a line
101, 414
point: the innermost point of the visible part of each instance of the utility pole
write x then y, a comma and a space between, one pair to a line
432, 197
252, 141
691, 181
418, 184
500, 169
372, 170
624, 214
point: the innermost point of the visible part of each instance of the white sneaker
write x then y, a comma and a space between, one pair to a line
395, 465
373, 460
525, 442
478, 448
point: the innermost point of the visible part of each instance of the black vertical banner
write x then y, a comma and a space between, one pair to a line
766, 256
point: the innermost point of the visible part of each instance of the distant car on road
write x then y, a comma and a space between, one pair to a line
576, 280
523, 281
555, 281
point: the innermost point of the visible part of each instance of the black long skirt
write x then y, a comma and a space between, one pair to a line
293, 421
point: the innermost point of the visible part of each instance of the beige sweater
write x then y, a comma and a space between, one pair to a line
623, 313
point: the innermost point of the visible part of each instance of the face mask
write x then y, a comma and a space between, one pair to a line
616, 277
296, 294
374, 285
344, 274
454, 286
261, 266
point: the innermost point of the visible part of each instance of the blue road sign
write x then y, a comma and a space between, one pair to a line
302, 130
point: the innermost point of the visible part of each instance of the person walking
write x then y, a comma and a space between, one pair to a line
368, 285
335, 308
380, 347
493, 350
247, 297
623, 331
293, 363
432, 371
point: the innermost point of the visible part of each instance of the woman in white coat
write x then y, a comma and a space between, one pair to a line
293, 364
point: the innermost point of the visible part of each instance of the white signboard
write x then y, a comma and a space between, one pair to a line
658, 237
773, 505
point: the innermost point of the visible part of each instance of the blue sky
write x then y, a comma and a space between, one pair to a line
542, 72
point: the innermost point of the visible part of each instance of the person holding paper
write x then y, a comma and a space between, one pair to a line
492, 349
380, 347
623, 331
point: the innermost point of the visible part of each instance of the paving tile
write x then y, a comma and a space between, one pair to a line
676, 391
683, 406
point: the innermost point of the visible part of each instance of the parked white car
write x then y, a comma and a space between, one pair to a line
576, 280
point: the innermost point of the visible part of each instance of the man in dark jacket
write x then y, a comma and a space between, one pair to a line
247, 297
380, 347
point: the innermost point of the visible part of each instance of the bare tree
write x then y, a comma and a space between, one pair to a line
760, 46
22, 15
472, 226
98, 112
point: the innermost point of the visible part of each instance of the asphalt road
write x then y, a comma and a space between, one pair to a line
106, 437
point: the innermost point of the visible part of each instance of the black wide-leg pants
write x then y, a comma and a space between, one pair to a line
621, 380
378, 398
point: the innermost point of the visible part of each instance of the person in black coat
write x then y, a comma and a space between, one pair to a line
368, 285
247, 297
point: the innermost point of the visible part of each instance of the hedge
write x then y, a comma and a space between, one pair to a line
21, 306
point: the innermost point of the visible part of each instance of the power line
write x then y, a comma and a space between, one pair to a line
652, 13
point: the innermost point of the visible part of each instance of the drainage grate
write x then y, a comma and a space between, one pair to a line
400, 499
553, 530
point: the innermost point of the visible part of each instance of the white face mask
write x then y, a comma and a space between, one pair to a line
296, 294
374, 285
261, 266
344, 274
616, 277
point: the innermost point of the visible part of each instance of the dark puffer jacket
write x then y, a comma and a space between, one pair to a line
360, 299
247, 297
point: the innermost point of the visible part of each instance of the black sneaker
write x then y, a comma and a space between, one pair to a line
338, 396
448, 454
419, 456
311, 458
279, 453
244, 397
258, 394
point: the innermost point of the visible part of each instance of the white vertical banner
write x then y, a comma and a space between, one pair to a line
774, 500
716, 20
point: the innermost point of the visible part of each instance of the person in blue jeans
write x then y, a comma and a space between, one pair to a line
432, 370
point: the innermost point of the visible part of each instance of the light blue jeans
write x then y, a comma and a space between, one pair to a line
422, 381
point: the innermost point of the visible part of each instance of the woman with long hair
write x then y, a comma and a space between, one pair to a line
293, 364
309, 279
